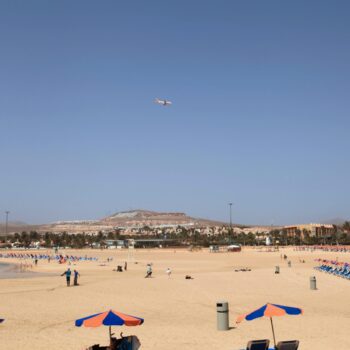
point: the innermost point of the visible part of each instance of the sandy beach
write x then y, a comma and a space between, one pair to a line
40, 311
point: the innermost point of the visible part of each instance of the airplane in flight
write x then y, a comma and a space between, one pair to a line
162, 102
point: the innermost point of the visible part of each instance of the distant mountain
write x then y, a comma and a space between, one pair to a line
16, 226
335, 221
15, 223
152, 218
128, 219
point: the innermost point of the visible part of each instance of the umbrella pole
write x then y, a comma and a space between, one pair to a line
273, 332
110, 333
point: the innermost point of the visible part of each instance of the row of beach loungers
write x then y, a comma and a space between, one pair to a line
335, 268
252, 345
265, 343
57, 257
325, 248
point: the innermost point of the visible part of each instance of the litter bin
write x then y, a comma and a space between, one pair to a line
222, 315
277, 269
313, 283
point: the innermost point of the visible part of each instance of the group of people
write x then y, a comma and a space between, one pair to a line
76, 274
149, 271
68, 274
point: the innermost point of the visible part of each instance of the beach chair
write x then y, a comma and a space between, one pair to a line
258, 344
129, 342
94, 347
288, 345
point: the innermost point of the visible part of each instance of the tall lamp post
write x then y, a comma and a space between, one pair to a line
7, 221
230, 205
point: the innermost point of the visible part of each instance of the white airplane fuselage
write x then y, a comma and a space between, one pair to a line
163, 102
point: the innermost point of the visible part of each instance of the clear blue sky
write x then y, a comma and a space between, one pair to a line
260, 113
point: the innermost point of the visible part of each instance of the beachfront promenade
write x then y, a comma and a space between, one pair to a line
40, 311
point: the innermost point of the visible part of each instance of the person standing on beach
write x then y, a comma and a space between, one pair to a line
76, 275
148, 271
168, 272
125, 266
68, 273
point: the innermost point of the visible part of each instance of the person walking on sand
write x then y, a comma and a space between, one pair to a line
76, 275
148, 271
68, 273
125, 266
168, 272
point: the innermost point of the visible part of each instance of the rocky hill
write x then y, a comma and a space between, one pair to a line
128, 219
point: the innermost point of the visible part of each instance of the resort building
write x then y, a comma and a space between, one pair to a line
314, 230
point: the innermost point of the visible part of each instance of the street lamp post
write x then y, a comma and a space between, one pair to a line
230, 204
7, 221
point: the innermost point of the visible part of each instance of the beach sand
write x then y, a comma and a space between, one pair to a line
179, 314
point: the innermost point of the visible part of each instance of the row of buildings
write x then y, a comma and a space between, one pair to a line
312, 230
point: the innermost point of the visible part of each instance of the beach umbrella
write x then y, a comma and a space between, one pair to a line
109, 318
270, 310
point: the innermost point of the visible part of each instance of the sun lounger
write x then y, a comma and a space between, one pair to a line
288, 345
258, 344
126, 343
